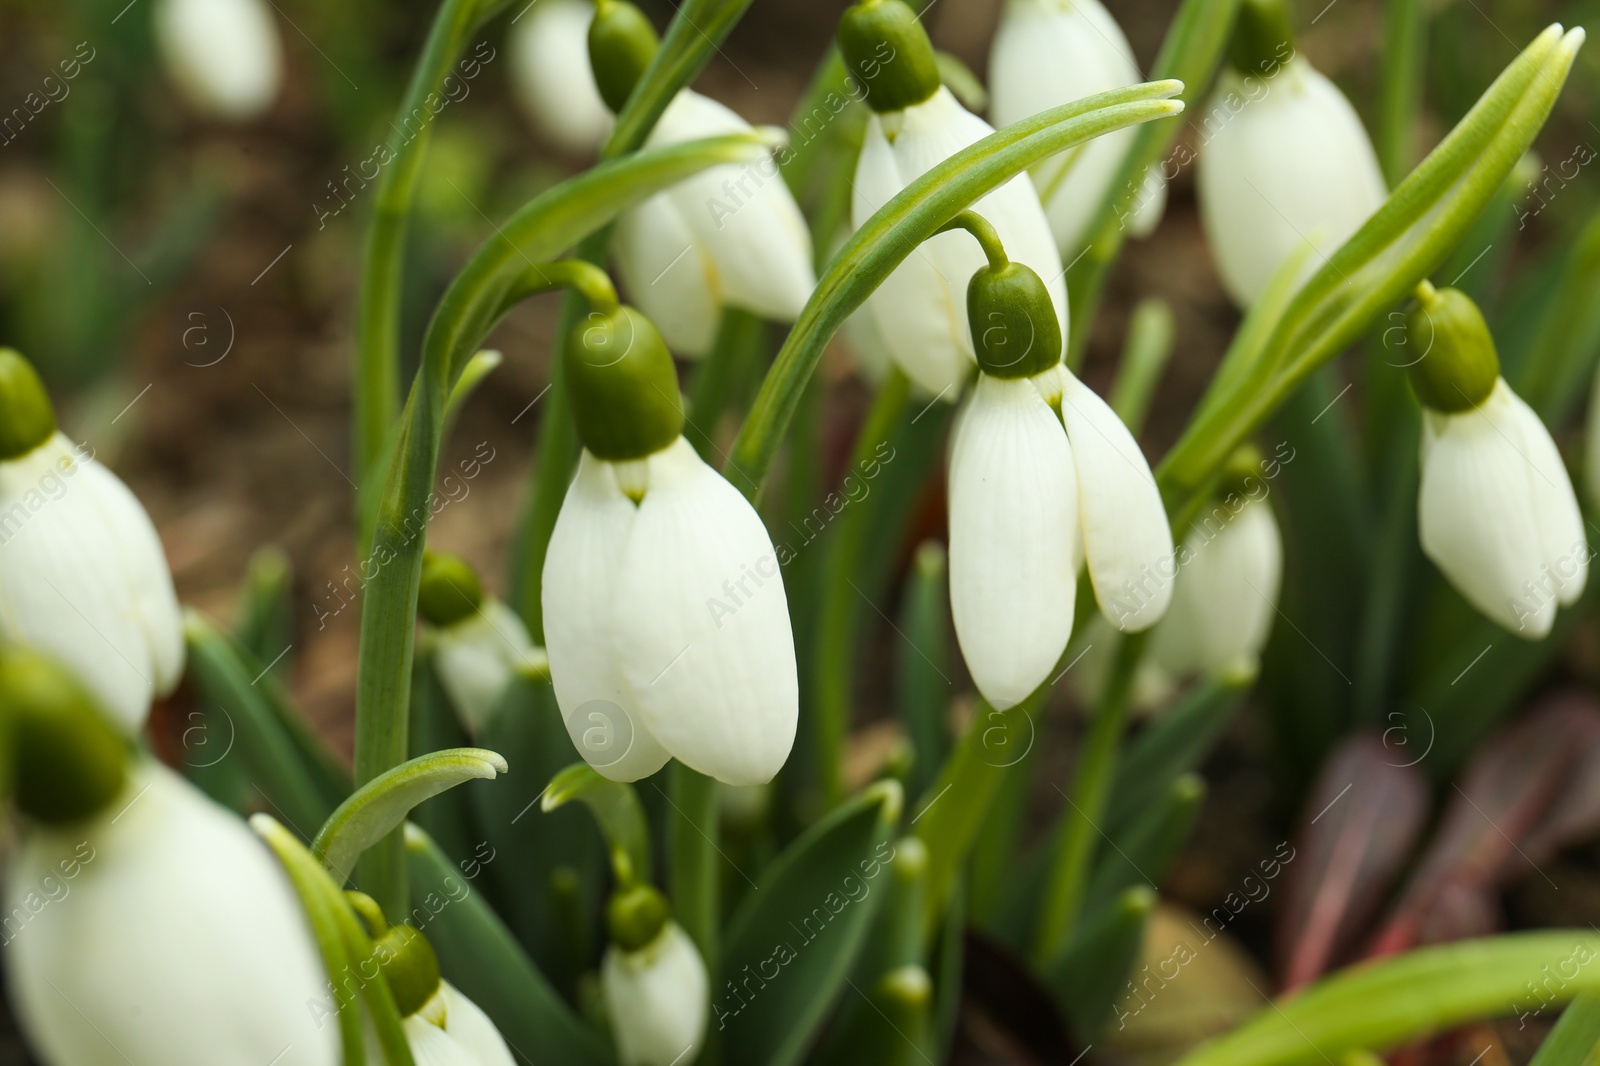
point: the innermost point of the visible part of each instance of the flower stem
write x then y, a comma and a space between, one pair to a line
740, 339
984, 233
1091, 785
1400, 86
691, 840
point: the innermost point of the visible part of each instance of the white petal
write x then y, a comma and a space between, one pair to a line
580, 571
223, 55
162, 933
1286, 163
1479, 516
657, 998
1013, 518
471, 1028
701, 624
1126, 538
1226, 592
430, 1045
1051, 52
551, 78
742, 215
476, 659
1555, 505
83, 578
921, 308
669, 275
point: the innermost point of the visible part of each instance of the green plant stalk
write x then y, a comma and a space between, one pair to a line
1390, 1002
1379, 266
1405, 37
691, 845
837, 617
1190, 52
740, 337
1144, 358
377, 374
1091, 786
550, 223
913, 215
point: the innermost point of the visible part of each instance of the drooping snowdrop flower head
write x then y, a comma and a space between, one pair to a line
653, 981
1043, 476
1287, 162
479, 644
224, 56
82, 574
1230, 569
442, 1026
154, 870
1495, 509
916, 124
666, 622
731, 236
551, 79
1051, 52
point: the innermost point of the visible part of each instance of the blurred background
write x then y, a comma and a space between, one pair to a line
187, 285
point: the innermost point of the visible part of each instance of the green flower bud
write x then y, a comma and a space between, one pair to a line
1241, 474
1015, 333
636, 915
1263, 39
27, 419
622, 385
450, 589
621, 44
1456, 366
886, 49
409, 966
65, 760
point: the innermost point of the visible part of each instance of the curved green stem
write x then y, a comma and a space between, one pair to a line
983, 233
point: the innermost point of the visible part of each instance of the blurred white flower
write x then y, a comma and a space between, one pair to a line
1029, 504
451, 1030
657, 998
731, 236
1226, 595
551, 79
1051, 52
1288, 164
478, 656
224, 56
920, 310
666, 622
83, 577
174, 940
1496, 512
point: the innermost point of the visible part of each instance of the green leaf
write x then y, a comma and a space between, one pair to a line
1142, 854
923, 689
1090, 975
915, 214
616, 808
381, 805
480, 956
1393, 1001
264, 623
1144, 358
1575, 1041
1174, 744
792, 943
1407, 238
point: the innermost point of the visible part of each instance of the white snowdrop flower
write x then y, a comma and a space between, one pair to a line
1051, 52
1495, 509
1043, 475
451, 1030
224, 56
160, 932
666, 621
478, 643
551, 79
1285, 161
657, 997
1226, 591
82, 573
920, 309
731, 236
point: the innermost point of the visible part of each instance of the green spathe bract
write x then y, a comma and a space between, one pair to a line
1456, 365
887, 50
27, 419
410, 966
622, 385
621, 44
62, 757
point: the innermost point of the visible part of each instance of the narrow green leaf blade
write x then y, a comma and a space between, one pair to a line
616, 808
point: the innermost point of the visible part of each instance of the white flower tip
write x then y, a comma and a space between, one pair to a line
772, 136
892, 798
1170, 87
1573, 39
262, 823
493, 763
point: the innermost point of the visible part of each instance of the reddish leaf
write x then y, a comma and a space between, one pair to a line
1360, 825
